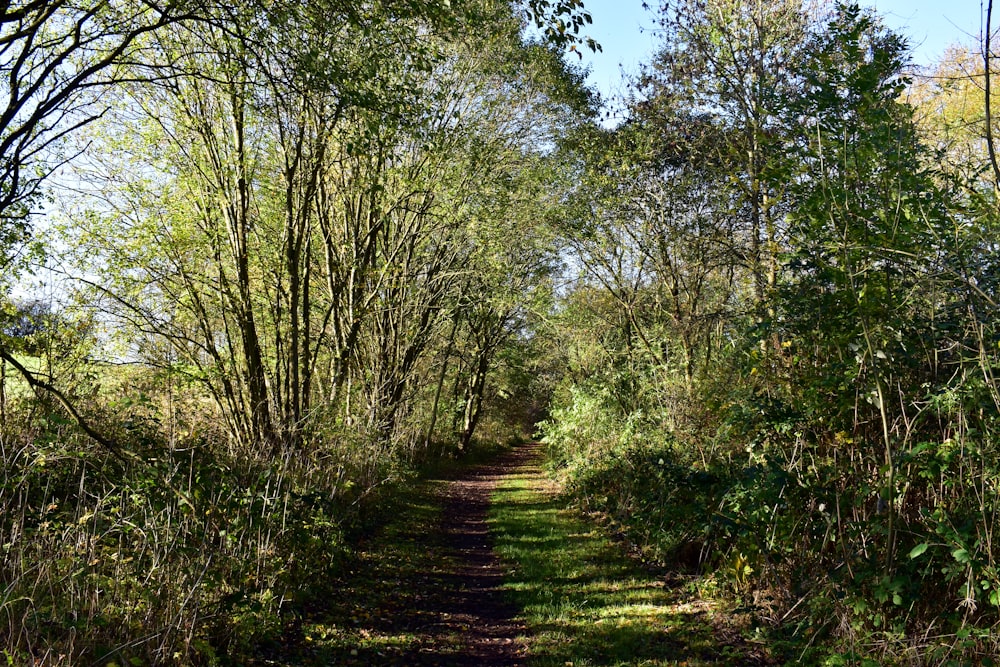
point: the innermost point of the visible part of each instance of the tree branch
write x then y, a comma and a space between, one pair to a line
81, 421
989, 115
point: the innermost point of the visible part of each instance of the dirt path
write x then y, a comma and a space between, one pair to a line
429, 589
425, 591
479, 609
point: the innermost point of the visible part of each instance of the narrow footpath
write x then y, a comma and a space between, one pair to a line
424, 590
430, 588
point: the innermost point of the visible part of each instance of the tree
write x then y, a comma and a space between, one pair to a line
682, 208
868, 227
55, 59
302, 227
950, 112
736, 63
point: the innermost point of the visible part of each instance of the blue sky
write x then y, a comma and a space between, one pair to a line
622, 28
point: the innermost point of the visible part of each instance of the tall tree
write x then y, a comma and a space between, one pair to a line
868, 226
55, 58
737, 64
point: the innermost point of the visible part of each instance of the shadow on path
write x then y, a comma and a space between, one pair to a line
429, 589
586, 602
425, 591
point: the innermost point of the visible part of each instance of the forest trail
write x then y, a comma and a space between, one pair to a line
425, 590
431, 589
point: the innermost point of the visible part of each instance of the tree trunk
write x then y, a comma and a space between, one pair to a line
474, 398
440, 384
3, 394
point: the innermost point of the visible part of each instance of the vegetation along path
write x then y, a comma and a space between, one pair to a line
486, 568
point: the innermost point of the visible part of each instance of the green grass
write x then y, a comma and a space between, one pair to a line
585, 602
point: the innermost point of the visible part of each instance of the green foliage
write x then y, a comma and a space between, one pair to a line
560, 22
186, 555
666, 507
307, 247
331, 236
779, 369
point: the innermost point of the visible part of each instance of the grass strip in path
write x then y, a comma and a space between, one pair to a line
585, 602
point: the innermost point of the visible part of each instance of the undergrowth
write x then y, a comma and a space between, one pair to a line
798, 547
183, 553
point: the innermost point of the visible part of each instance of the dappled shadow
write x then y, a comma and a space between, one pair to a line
588, 604
429, 590
425, 591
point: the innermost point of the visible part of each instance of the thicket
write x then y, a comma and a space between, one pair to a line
781, 351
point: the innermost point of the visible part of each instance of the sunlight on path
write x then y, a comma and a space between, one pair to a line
585, 603
454, 580
424, 590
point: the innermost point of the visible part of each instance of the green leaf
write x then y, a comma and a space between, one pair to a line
961, 555
919, 549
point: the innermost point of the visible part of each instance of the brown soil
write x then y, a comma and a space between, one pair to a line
479, 611
424, 594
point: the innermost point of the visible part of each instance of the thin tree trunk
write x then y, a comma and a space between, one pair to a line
239, 223
3, 394
474, 398
989, 116
440, 384
306, 361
